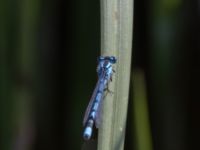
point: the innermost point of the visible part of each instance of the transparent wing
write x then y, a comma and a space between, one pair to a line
89, 107
98, 118
87, 112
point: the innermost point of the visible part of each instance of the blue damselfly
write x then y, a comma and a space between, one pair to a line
92, 114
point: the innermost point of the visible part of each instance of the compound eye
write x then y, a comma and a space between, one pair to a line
112, 59
101, 58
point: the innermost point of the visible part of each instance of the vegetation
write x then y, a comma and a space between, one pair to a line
48, 53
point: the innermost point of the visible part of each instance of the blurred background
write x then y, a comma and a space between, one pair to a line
48, 58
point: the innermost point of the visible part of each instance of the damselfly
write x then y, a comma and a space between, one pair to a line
92, 114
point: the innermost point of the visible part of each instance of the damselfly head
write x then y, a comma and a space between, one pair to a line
111, 59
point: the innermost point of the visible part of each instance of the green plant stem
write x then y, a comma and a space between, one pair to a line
116, 39
142, 130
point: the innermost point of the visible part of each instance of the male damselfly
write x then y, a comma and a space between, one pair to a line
92, 114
